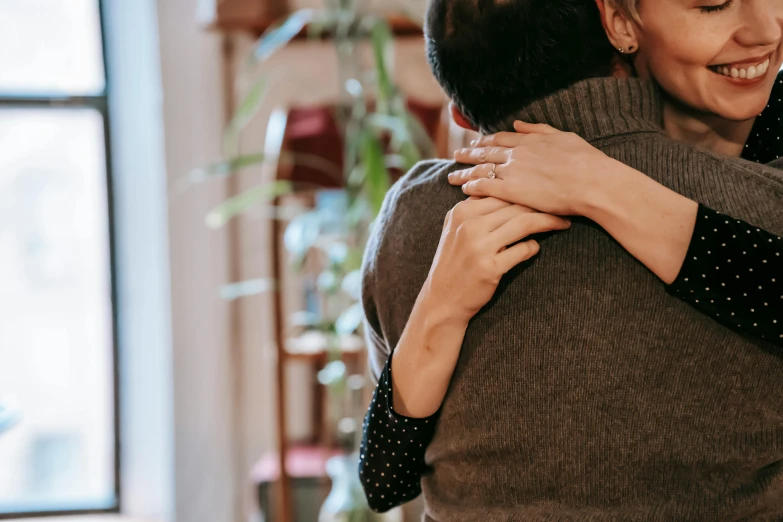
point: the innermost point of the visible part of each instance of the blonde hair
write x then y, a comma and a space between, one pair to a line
629, 7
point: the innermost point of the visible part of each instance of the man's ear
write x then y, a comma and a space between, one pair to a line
460, 118
619, 27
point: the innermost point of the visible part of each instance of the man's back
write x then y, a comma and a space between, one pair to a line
583, 390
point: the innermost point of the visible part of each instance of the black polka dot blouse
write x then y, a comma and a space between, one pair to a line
391, 457
733, 272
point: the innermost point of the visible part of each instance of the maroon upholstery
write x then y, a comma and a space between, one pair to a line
313, 131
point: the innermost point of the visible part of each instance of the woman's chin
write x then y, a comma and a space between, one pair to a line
738, 113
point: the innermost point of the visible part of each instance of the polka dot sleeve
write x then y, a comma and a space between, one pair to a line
391, 458
734, 273
765, 145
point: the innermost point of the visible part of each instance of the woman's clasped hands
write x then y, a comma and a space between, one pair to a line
538, 166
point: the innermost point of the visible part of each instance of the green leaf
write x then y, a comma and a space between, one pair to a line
225, 168
281, 34
236, 205
354, 260
325, 22
352, 284
419, 135
328, 282
333, 373
350, 320
242, 116
232, 166
382, 46
377, 182
302, 232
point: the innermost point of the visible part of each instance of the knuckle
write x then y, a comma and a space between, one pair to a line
466, 232
486, 266
459, 212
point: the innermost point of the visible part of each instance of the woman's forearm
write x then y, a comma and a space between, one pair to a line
652, 222
425, 357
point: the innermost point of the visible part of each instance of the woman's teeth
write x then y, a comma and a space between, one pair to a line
744, 73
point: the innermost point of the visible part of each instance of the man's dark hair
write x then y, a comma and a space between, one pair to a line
493, 57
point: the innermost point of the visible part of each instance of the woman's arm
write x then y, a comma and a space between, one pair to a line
733, 272
562, 174
391, 457
472, 256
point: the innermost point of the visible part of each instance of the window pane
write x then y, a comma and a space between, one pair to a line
56, 360
50, 46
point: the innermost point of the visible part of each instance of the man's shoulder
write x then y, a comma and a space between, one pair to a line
426, 175
675, 153
746, 190
411, 219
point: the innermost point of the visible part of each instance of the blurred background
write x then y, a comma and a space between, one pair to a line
186, 189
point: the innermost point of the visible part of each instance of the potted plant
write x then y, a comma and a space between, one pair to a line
381, 137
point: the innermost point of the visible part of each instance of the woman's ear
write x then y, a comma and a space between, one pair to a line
460, 118
619, 27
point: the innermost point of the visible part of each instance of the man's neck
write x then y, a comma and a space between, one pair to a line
708, 131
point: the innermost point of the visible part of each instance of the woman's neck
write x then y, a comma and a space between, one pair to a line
708, 131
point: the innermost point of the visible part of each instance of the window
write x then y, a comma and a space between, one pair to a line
58, 427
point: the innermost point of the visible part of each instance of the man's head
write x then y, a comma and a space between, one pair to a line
493, 57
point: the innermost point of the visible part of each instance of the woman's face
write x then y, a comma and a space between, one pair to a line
715, 56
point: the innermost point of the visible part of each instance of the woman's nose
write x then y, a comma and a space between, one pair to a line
763, 23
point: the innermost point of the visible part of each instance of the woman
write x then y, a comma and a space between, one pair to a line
690, 72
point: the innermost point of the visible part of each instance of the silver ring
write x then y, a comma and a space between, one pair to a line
492, 174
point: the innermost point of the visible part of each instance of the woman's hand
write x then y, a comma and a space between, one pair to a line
474, 251
472, 256
560, 173
539, 167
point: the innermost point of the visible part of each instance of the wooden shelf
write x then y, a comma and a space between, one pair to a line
256, 16
240, 15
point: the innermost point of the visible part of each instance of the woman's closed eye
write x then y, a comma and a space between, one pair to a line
716, 8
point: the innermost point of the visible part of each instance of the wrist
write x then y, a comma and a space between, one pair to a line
604, 196
439, 313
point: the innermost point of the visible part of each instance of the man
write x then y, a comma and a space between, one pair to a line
583, 391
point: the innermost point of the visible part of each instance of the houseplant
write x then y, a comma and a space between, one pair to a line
381, 137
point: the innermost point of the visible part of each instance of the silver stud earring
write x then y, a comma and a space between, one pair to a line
621, 49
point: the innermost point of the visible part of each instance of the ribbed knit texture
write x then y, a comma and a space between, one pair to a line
583, 390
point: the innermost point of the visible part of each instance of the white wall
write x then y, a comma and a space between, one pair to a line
147, 480
192, 79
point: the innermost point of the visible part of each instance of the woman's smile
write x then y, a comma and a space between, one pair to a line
745, 72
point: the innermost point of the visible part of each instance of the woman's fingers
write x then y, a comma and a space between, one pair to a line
478, 155
474, 207
484, 187
519, 253
483, 171
495, 220
534, 128
524, 225
501, 139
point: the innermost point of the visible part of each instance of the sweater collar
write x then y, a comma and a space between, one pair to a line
596, 108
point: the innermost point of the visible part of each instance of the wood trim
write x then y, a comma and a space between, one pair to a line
256, 26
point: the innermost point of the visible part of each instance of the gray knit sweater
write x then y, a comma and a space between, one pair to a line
583, 390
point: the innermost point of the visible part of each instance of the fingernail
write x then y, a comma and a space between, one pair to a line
473, 143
